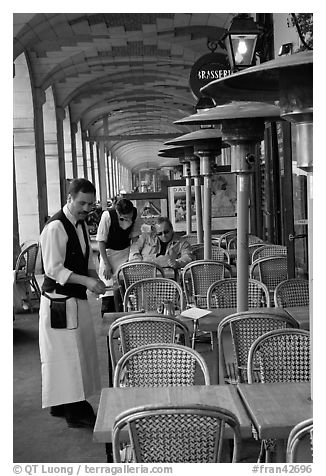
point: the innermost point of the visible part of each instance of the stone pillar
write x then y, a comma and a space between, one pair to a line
84, 152
60, 116
102, 176
91, 154
187, 176
39, 99
73, 132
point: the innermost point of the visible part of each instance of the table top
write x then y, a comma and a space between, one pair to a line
300, 314
114, 401
275, 408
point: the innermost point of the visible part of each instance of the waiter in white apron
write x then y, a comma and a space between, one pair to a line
70, 369
117, 228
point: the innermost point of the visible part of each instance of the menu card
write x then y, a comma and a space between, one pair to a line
195, 313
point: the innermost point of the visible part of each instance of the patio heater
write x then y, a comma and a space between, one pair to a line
242, 127
183, 154
288, 80
206, 145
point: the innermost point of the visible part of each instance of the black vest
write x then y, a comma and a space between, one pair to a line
74, 260
119, 239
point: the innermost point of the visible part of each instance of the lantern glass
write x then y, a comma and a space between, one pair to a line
241, 49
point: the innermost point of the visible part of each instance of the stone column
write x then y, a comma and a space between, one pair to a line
186, 174
73, 132
60, 116
102, 176
84, 152
39, 99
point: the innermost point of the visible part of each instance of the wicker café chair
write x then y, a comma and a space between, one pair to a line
226, 237
269, 250
198, 275
292, 292
270, 271
149, 294
253, 247
178, 434
245, 328
300, 443
25, 270
232, 244
161, 365
137, 330
131, 272
282, 355
197, 251
223, 293
218, 253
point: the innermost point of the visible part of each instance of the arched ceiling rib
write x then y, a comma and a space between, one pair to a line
132, 68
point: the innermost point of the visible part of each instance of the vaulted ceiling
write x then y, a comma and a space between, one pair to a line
131, 68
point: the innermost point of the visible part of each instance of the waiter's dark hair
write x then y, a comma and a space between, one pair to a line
81, 185
124, 206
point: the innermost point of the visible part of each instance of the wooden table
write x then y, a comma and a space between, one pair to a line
300, 314
114, 401
275, 408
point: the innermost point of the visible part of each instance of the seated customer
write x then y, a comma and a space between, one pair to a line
161, 246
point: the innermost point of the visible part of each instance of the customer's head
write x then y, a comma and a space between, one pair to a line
163, 229
125, 211
81, 198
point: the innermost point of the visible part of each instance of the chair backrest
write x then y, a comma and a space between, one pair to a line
253, 247
270, 271
134, 271
149, 294
137, 330
197, 276
161, 365
178, 434
232, 244
26, 260
220, 254
269, 250
282, 355
245, 328
300, 443
223, 293
225, 238
292, 292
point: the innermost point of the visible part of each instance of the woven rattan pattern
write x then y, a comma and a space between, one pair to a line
271, 271
149, 294
137, 330
282, 356
253, 247
133, 272
292, 292
245, 329
269, 250
157, 365
179, 434
232, 244
223, 294
202, 274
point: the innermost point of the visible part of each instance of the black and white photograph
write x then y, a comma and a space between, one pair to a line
162, 252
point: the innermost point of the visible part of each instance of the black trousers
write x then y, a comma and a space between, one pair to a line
112, 303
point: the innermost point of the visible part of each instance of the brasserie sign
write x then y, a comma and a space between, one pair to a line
206, 69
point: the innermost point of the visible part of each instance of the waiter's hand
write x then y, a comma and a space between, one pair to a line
95, 285
107, 272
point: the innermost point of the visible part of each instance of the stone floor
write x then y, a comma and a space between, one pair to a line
40, 438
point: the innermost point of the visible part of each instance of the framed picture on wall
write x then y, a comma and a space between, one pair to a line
224, 203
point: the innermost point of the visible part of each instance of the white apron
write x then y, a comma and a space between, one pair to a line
70, 368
